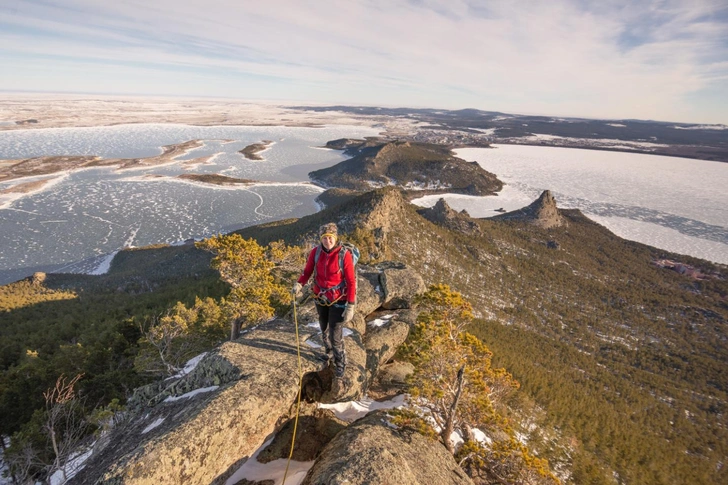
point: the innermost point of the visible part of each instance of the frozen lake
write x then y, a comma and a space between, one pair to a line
93, 212
672, 203
676, 204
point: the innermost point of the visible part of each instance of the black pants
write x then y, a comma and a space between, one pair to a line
331, 319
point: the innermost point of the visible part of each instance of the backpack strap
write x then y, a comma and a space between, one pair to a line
342, 253
315, 261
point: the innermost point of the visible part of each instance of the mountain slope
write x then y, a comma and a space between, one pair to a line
626, 358
623, 358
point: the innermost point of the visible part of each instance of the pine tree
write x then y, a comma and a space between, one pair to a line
453, 378
244, 265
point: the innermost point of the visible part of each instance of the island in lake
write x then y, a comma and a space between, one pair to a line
251, 151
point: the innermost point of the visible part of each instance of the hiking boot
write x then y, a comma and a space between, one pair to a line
325, 358
339, 371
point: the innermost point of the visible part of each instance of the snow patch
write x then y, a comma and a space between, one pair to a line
71, 468
350, 411
254, 471
481, 437
313, 344
378, 322
104, 265
702, 127
189, 366
156, 423
191, 394
598, 142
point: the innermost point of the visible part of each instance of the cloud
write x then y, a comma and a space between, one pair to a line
602, 59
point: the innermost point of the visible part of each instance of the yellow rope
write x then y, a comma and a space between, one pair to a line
324, 302
300, 387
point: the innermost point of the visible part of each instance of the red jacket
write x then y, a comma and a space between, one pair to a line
329, 275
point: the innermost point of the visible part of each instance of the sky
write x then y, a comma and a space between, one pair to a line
660, 60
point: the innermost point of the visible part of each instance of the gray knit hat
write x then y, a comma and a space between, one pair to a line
329, 228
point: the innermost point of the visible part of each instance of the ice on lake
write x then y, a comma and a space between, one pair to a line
677, 204
91, 213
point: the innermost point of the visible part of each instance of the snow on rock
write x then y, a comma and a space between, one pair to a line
378, 322
156, 423
71, 468
481, 437
253, 471
189, 366
350, 411
191, 394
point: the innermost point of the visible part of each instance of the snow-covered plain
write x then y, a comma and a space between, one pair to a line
86, 215
677, 204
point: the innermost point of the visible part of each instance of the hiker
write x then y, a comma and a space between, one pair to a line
334, 289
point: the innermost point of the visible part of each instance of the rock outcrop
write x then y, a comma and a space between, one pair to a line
542, 212
371, 450
202, 427
442, 214
199, 436
399, 284
38, 278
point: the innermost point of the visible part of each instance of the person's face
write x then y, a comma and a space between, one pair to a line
328, 242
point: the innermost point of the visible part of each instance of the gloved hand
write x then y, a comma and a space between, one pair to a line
297, 289
349, 312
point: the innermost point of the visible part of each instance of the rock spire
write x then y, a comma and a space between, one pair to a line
542, 212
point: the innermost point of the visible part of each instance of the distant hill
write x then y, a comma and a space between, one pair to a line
705, 142
417, 167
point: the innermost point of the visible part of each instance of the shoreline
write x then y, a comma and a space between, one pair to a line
50, 165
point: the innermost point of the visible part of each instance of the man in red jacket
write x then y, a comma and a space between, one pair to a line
334, 288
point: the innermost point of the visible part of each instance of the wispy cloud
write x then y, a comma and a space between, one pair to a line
617, 59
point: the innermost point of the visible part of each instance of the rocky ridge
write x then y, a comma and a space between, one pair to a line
200, 428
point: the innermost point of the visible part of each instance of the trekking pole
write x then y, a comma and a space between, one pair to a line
300, 387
